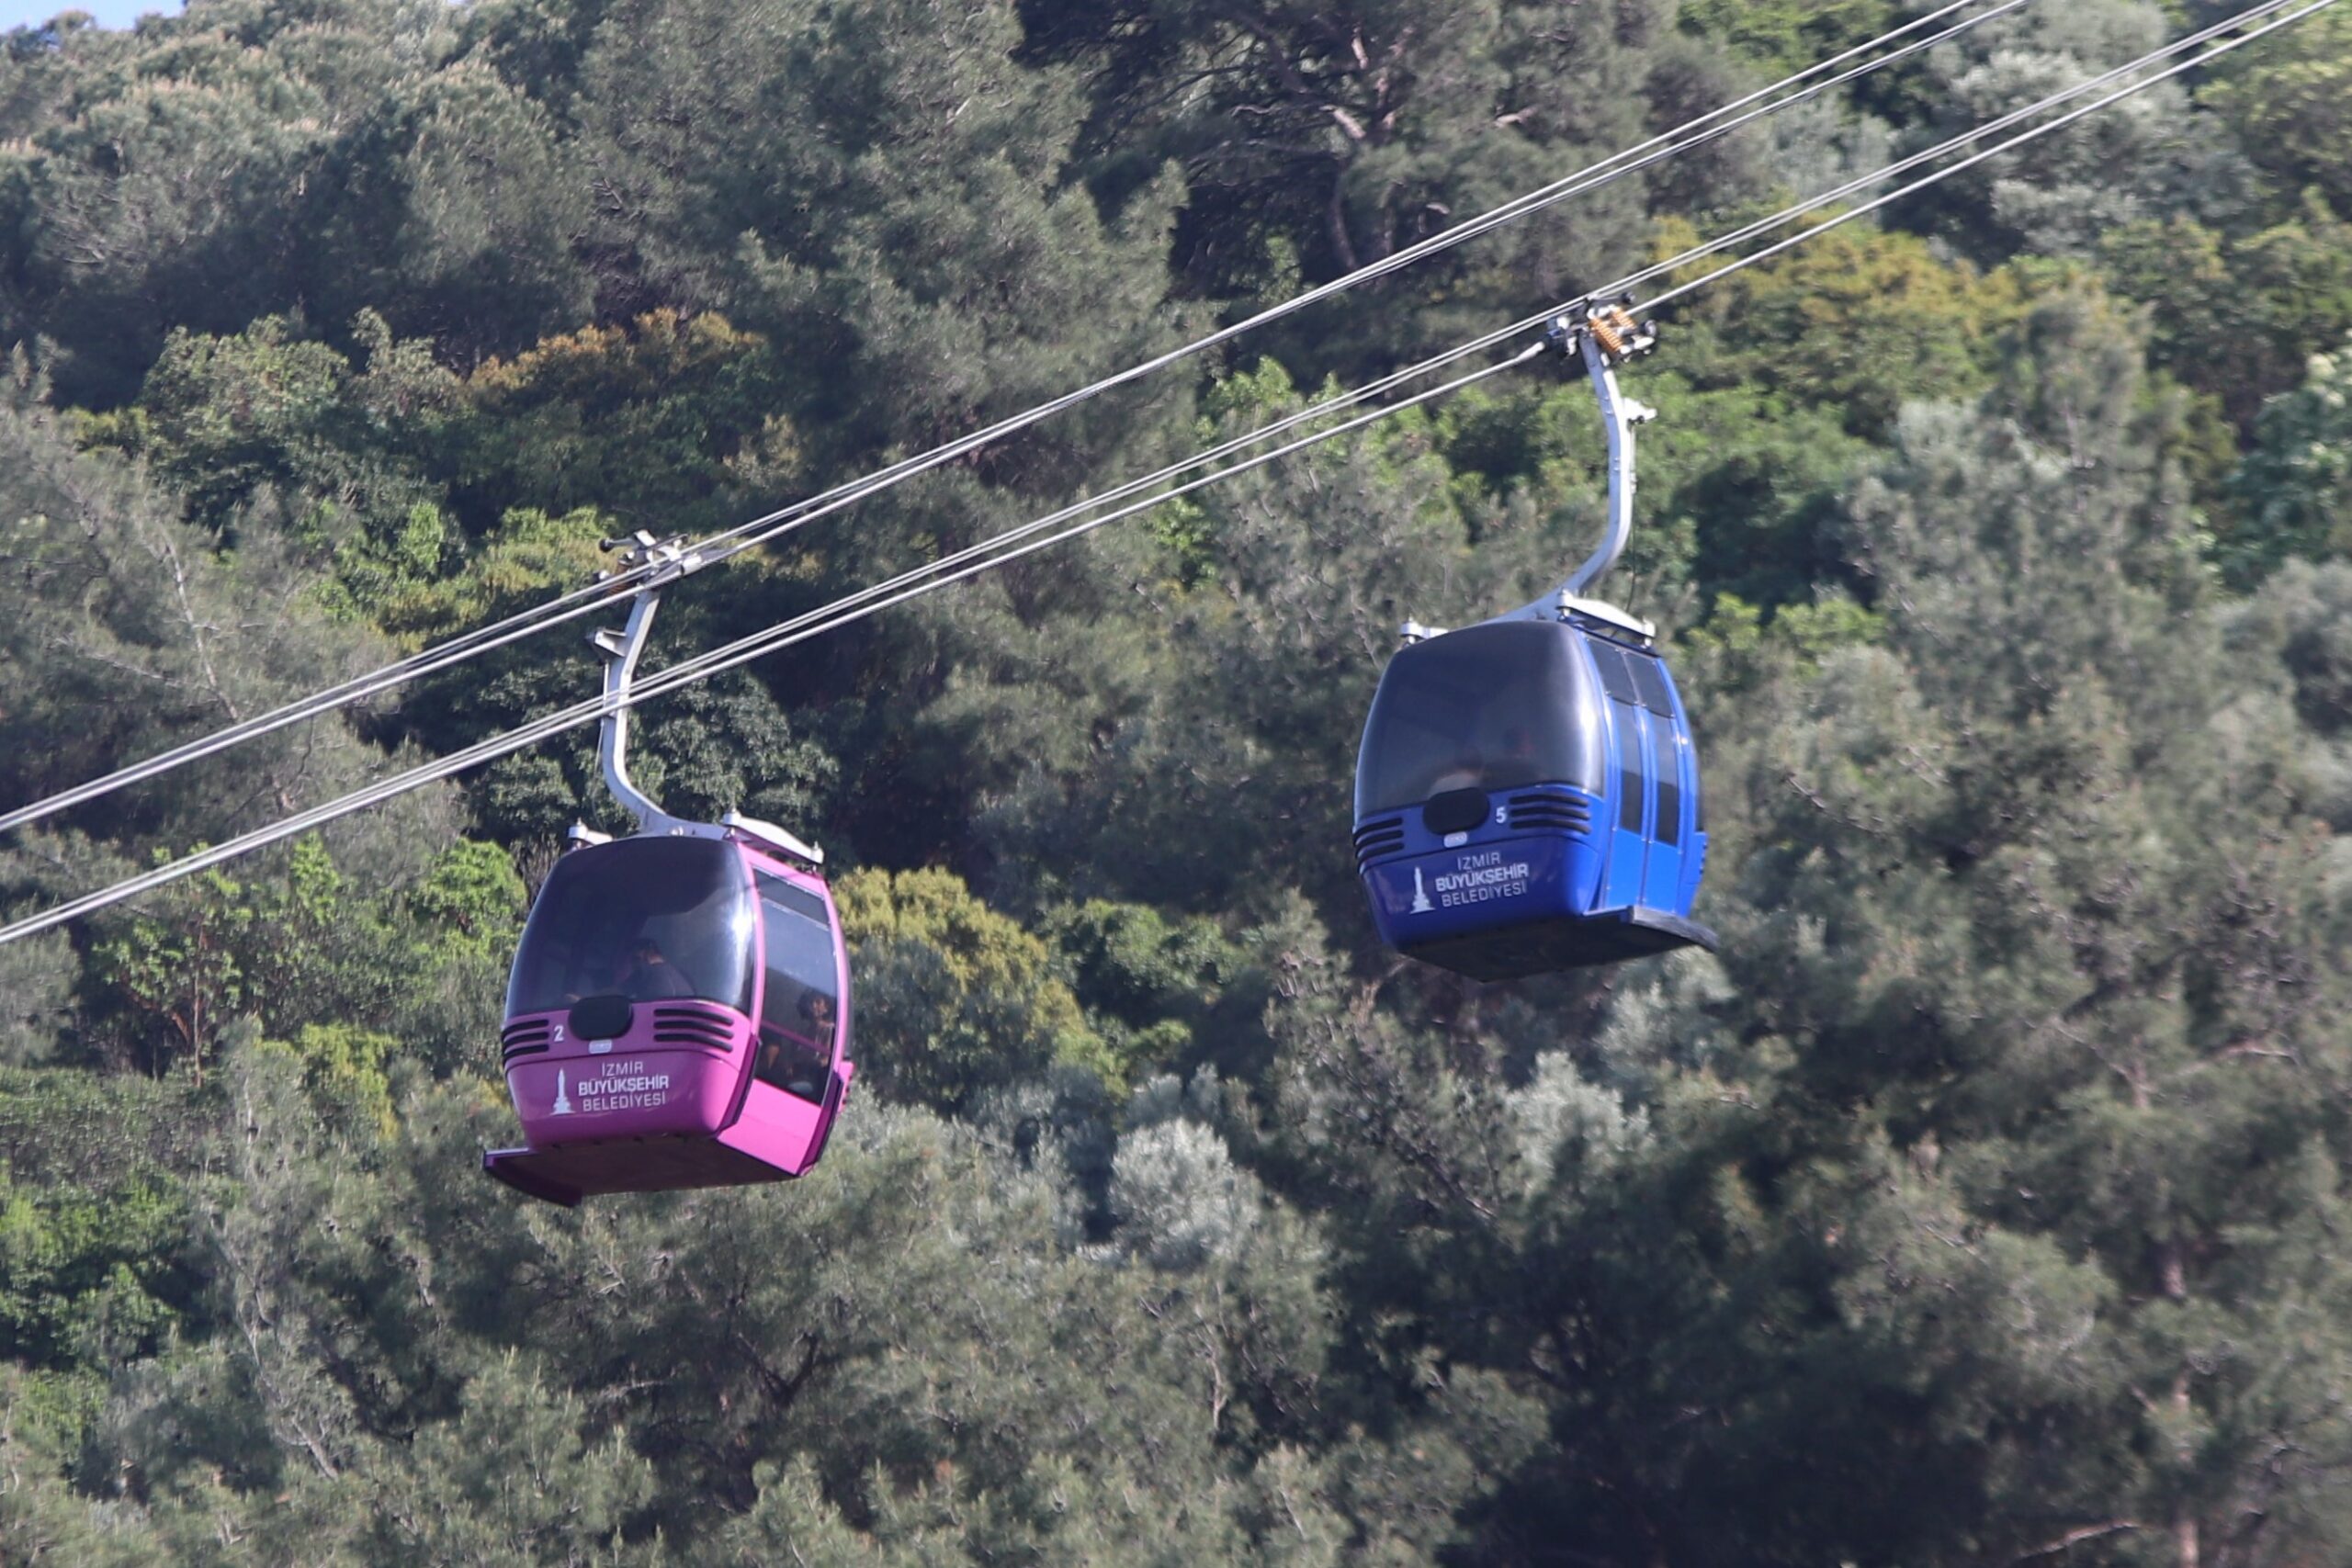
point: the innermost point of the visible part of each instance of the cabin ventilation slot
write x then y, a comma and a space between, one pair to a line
693, 1026
1373, 840
525, 1039
1556, 813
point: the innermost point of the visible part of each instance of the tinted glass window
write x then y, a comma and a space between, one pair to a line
801, 1010
1629, 767
1669, 809
1494, 706
645, 919
1615, 679
1650, 682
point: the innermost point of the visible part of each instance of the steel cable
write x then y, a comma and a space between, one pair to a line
581, 602
1029, 537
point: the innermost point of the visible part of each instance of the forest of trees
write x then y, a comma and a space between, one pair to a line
1986, 1199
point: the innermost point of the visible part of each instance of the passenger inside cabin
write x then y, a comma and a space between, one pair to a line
817, 1009
650, 976
1467, 770
798, 1063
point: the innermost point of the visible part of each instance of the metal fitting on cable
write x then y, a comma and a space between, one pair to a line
1611, 328
651, 562
1620, 336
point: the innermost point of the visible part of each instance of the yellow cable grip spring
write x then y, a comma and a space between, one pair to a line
1611, 328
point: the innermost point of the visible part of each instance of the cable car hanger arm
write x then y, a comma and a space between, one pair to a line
653, 564
660, 563
1608, 338
1605, 337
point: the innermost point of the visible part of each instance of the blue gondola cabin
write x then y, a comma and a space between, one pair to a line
1527, 797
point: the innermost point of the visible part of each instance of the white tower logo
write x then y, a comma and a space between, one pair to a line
563, 1105
1421, 905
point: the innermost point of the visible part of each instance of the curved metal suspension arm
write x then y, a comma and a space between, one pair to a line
1619, 416
621, 651
1607, 338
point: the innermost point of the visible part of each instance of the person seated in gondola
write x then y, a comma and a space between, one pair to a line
817, 1011
650, 976
796, 1062
1466, 770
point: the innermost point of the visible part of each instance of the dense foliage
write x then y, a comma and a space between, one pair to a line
1985, 1201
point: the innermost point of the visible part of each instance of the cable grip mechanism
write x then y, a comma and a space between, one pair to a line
647, 562
1611, 328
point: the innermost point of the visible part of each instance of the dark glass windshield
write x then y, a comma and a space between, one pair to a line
801, 1010
1495, 705
645, 919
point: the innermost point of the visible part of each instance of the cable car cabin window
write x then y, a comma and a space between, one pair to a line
1491, 706
1629, 771
1615, 679
798, 1012
1669, 806
1651, 683
645, 918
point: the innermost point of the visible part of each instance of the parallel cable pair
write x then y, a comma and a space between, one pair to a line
581, 602
1029, 537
